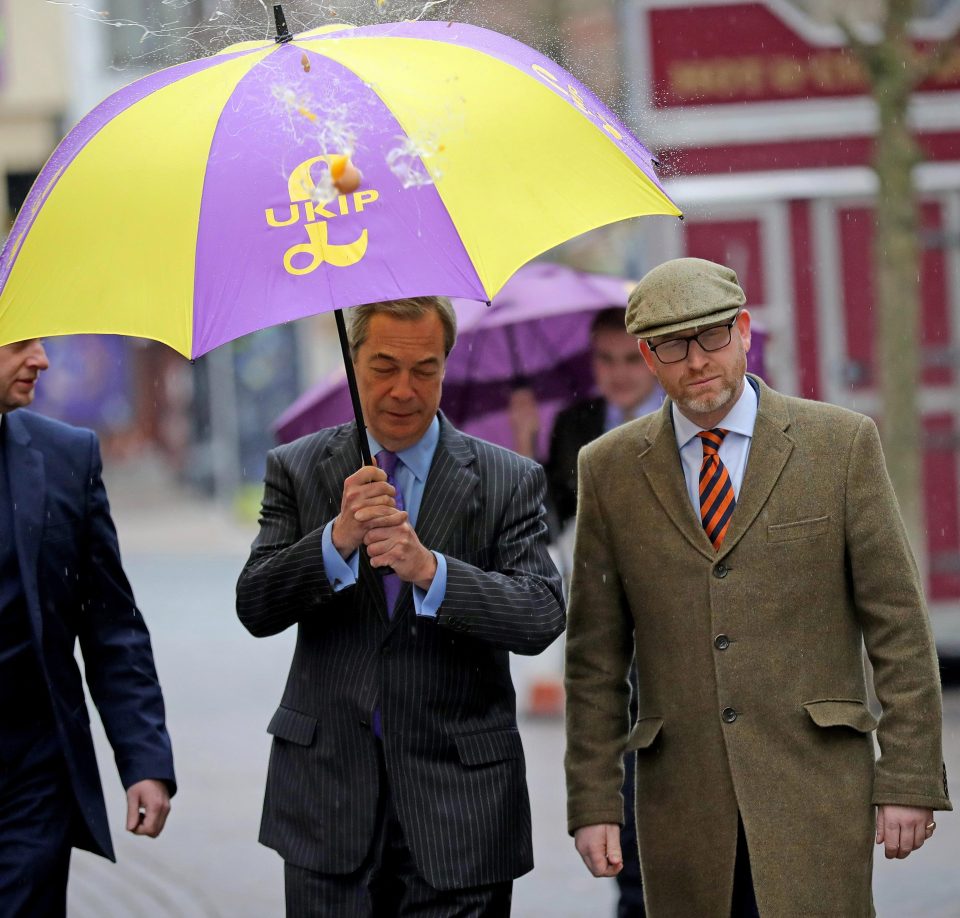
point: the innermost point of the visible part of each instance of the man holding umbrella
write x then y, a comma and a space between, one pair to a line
396, 782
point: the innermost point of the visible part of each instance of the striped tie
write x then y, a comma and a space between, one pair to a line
716, 489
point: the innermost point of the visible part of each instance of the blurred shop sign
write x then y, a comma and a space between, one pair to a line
772, 53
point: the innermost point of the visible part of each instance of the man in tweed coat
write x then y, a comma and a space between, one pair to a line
397, 783
744, 546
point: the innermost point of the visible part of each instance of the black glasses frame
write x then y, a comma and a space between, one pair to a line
728, 326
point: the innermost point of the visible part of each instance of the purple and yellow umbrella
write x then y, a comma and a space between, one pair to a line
220, 196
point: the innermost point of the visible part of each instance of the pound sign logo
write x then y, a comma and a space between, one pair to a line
306, 257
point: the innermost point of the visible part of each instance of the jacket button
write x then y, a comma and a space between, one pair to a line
728, 715
364, 722
721, 642
721, 571
386, 651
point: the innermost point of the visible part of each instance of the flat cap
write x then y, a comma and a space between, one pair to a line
683, 293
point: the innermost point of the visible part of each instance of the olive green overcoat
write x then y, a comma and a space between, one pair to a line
752, 694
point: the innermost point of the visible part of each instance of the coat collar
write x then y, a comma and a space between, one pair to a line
769, 451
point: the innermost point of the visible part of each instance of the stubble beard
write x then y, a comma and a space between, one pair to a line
707, 404
730, 385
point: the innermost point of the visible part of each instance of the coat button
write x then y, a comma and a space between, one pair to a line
721, 571
386, 651
721, 642
728, 715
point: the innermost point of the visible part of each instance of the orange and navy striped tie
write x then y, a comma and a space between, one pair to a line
716, 489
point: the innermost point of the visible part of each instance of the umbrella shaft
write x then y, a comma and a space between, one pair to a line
354, 392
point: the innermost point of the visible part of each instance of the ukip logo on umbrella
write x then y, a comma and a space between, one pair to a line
313, 216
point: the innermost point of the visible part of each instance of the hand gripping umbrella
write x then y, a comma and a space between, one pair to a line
279, 179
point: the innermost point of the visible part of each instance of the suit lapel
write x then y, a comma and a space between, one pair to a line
451, 473
25, 470
769, 451
661, 465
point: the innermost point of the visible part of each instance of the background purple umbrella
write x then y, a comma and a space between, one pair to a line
536, 333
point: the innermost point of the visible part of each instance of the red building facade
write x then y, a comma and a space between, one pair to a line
764, 124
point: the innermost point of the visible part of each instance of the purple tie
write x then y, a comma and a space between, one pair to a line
391, 582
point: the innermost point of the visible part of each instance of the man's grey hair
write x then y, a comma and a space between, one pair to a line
358, 318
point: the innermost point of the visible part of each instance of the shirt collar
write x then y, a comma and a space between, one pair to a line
614, 416
740, 419
418, 457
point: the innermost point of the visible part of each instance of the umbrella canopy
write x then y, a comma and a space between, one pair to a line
536, 333
208, 200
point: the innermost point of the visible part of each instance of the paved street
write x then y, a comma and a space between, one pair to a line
221, 687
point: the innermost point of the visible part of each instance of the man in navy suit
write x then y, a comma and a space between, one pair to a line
396, 784
61, 580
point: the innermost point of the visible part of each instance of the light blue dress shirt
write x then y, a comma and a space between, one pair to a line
734, 451
614, 416
411, 475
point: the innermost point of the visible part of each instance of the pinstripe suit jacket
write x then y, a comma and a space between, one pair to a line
453, 754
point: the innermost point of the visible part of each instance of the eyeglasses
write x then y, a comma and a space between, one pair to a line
711, 339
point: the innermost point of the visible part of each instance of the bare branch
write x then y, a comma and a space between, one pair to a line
865, 53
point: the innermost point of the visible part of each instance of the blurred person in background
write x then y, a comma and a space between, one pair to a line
743, 547
397, 782
626, 390
61, 581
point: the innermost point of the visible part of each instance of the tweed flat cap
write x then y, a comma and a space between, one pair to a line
681, 294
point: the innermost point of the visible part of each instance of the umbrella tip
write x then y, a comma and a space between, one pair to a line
283, 33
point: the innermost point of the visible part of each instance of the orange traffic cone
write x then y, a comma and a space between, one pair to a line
545, 697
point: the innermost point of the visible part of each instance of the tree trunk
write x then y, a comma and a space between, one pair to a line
897, 268
893, 72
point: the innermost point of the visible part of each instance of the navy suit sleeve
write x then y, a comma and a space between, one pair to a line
117, 656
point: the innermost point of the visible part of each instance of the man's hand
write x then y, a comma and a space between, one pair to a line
599, 846
399, 547
902, 829
368, 502
148, 803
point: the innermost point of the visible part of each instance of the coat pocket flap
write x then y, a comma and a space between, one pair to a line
293, 726
491, 746
644, 732
841, 713
801, 529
